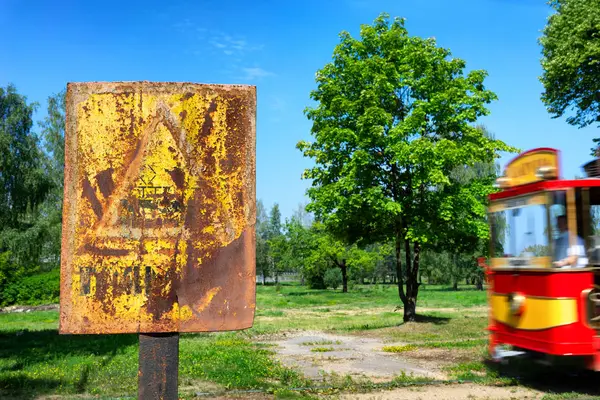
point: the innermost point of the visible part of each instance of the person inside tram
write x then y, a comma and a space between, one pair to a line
566, 254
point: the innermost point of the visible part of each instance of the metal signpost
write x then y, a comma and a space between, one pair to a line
159, 214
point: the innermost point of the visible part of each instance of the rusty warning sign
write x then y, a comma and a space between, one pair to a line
159, 208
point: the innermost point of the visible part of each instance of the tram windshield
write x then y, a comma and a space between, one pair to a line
524, 229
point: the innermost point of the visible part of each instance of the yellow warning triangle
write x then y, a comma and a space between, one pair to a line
154, 185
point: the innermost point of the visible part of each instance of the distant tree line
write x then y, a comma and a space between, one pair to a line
302, 246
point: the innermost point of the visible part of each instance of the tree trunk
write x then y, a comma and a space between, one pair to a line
410, 309
479, 284
400, 279
264, 276
412, 284
455, 284
344, 269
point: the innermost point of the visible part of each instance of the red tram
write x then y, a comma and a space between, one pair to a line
544, 270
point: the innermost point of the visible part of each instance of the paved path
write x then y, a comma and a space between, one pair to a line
351, 355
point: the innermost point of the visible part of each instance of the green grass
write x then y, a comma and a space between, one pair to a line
35, 361
33, 321
321, 342
459, 344
441, 330
321, 349
364, 308
270, 313
364, 296
42, 362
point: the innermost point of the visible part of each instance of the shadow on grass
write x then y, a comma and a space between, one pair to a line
20, 351
22, 387
431, 319
465, 288
314, 292
273, 284
555, 379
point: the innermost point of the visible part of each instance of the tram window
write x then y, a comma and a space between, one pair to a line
520, 233
592, 224
558, 208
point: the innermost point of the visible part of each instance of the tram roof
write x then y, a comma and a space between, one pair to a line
548, 185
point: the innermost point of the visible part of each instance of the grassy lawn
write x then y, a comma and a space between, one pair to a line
368, 307
40, 361
291, 296
35, 361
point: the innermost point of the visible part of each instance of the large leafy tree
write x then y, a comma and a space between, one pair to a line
53, 134
394, 117
571, 61
24, 186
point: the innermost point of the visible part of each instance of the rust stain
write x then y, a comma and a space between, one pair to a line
159, 208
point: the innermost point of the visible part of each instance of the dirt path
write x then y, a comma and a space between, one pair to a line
345, 355
450, 392
317, 354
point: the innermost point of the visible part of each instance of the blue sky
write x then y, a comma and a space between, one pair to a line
278, 46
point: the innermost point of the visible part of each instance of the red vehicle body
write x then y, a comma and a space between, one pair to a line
537, 307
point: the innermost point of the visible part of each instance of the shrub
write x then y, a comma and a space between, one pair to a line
315, 281
33, 290
333, 278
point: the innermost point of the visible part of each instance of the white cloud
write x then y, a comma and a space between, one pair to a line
255, 73
218, 45
231, 45
237, 49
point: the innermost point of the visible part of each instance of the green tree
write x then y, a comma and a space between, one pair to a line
53, 133
275, 242
262, 248
274, 229
393, 120
24, 185
300, 243
333, 278
385, 264
327, 252
571, 61
465, 242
